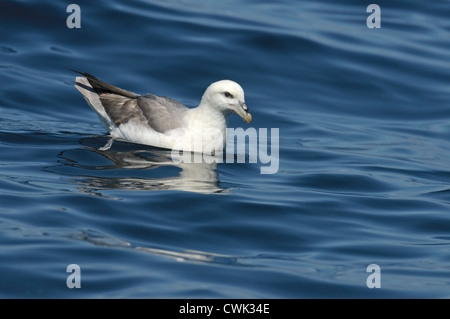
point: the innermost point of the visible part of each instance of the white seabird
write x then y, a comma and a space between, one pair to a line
163, 122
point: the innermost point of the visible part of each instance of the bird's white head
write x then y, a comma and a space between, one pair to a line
227, 96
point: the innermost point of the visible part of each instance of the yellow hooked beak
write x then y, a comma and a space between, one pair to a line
242, 111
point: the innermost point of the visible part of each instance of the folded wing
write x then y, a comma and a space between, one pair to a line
116, 106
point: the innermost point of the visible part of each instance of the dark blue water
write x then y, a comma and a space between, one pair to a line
364, 176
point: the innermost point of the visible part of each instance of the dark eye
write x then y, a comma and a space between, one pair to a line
228, 95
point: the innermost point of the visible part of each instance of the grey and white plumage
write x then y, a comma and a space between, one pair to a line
161, 121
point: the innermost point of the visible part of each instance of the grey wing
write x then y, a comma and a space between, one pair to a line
162, 113
120, 106
121, 109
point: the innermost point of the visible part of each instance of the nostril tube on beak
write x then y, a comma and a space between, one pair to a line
244, 107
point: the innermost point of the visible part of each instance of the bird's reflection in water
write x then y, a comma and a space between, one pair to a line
199, 177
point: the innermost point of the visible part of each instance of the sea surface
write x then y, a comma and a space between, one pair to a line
364, 152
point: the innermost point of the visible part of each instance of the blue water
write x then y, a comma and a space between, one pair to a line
364, 175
